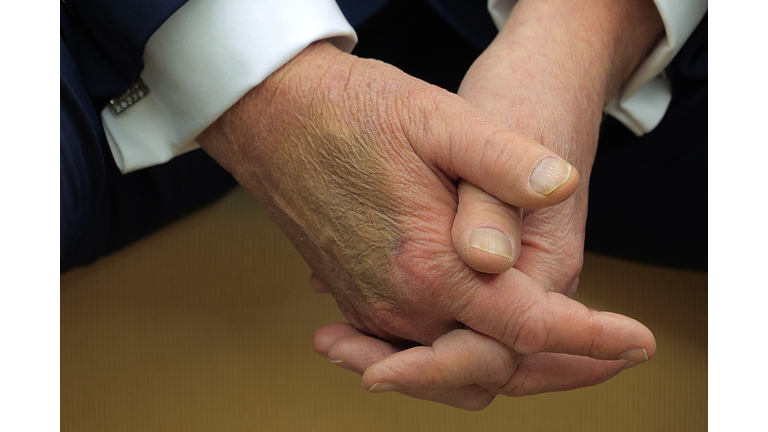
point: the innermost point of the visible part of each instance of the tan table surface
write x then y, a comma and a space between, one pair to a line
206, 326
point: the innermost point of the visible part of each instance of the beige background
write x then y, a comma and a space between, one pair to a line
206, 326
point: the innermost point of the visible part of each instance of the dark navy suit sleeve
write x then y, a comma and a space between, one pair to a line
101, 49
109, 37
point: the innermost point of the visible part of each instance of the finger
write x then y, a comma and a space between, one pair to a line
457, 139
458, 358
526, 317
486, 231
355, 351
547, 372
471, 398
317, 285
463, 357
327, 335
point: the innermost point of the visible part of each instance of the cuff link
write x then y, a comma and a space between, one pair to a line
134, 94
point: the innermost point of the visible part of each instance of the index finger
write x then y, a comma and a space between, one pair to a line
526, 317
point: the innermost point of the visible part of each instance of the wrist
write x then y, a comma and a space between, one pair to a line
269, 108
596, 44
555, 65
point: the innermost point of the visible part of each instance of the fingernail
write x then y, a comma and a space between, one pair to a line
549, 174
491, 241
636, 355
630, 365
344, 365
384, 387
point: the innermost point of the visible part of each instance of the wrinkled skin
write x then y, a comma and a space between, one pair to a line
364, 209
516, 82
357, 163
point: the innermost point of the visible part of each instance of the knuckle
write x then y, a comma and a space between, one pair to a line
503, 360
504, 152
505, 372
595, 347
421, 109
517, 384
532, 337
494, 154
527, 332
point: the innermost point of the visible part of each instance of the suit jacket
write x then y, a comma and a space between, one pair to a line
107, 38
101, 49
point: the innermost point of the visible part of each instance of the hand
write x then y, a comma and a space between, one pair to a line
550, 83
524, 82
356, 162
463, 368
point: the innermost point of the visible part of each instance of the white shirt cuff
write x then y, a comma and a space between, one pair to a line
202, 60
643, 99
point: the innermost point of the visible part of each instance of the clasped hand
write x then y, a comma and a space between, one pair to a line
360, 165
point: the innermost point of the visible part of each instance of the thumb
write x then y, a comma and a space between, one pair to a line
486, 231
455, 138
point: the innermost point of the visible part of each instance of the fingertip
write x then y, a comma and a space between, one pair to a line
635, 355
644, 347
485, 230
521, 172
321, 341
621, 338
651, 351
638, 341
651, 347
327, 335
359, 351
488, 251
547, 189
345, 365
383, 387
557, 324
399, 368
569, 187
629, 365
550, 174
368, 379
317, 284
